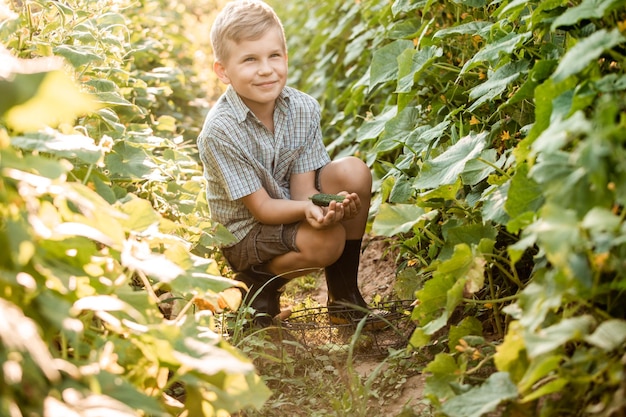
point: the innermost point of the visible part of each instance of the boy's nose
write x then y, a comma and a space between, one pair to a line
264, 67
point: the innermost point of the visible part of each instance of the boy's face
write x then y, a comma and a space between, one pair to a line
257, 69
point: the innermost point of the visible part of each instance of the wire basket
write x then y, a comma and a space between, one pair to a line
390, 328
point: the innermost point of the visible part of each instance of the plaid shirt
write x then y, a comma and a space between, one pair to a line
240, 155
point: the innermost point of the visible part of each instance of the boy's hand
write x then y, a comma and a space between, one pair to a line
321, 217
351, 205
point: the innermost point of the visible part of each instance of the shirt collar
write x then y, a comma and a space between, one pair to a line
241, 110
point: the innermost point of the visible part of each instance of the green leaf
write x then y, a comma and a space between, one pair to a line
55, 143
107, 303
586, 51
471, 28
480, 168
140, 214
20, 89
539, 369
497, 83
77, 56
398, 130
468, 234
550, 338
411, 63
137, 256
609, 335
446, 168
588, 9
511, 353
393, 220
492, 51
371, 129
444, 374
130, 162
557, 230
482, 399
423, 137
551, 387
524, 194
468, 326
560, 132
58, 100
384, 65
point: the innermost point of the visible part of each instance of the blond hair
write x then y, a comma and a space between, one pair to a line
242, 20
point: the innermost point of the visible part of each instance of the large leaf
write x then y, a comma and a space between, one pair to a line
393, 220
550, 338
385, 62
58, 100
446, 168
68, 146
411, 63
497, 83
587, 9
586, 51
609, 335
482, 399
77, 56
492, 51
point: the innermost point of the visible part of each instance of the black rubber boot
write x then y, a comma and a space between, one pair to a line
345, 302
263, 295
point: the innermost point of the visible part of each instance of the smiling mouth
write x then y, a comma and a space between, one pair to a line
267, 84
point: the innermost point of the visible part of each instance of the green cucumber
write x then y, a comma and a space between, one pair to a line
324, 200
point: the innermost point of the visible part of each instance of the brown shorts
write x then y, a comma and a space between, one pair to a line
262, 244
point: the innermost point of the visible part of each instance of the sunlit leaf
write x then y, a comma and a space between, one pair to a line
396, 219
77, 56
58, 100
56, 143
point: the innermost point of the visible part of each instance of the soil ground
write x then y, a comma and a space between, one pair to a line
377, 275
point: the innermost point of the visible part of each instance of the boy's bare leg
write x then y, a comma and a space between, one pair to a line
321, 248
317, 249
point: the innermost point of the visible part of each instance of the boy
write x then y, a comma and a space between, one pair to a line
263, 157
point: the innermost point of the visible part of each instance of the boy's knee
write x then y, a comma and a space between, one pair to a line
352, 172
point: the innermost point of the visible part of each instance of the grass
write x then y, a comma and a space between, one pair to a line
313, 373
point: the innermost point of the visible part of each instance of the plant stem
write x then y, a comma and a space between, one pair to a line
493, 301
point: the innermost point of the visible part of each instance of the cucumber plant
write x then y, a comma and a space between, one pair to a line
495, 133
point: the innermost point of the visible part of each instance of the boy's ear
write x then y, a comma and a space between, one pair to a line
220, 71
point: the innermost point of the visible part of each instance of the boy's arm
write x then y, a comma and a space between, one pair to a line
268, 210
302, 186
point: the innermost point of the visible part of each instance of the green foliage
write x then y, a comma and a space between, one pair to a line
496, 134
103, 216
